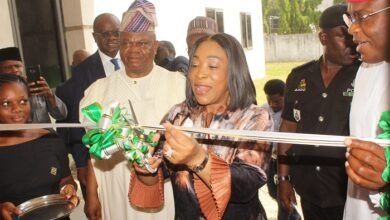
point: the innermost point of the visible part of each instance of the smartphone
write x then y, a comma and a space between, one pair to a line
33, 73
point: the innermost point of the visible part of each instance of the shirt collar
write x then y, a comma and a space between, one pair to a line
106, 58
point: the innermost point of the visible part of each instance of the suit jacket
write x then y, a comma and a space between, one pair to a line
72, 91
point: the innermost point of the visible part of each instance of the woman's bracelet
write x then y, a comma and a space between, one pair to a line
201, 166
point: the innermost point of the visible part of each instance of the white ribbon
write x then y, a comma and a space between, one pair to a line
279, 137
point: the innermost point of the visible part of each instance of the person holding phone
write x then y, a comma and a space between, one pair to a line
43, 100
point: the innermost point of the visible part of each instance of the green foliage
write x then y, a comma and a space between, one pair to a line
338, 2
295, 16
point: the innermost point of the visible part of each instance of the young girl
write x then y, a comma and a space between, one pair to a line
33, 162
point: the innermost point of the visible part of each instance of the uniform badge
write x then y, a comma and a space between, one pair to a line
53, 171
301, 87
297, 114
349, 91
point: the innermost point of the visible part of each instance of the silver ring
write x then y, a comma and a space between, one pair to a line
169, 152
149, 168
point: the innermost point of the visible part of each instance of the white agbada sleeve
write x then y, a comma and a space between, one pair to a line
371, 97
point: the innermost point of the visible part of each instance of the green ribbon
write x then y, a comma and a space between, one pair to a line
109, 128
93, 112
387, 217
115, 133
384, 124
386, 171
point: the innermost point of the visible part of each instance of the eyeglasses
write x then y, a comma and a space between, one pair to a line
108, 34
350, 19
138, 44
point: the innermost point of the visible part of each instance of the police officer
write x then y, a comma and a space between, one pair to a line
317, 100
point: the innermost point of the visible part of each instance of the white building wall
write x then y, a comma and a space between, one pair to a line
6, 36
78, 19
174, 15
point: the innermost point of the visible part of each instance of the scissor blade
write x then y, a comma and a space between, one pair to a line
133, 113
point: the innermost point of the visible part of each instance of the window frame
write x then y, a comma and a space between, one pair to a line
217, 15
246, 30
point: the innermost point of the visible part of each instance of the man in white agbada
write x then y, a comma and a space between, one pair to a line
152, 90
368, 22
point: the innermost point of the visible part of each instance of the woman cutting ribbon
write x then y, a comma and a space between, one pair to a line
213, 177
33, 162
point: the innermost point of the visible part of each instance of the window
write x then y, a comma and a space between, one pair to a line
273, 24
217, 15
246, 30
40, 40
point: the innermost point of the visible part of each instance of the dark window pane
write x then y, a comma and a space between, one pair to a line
243, 30
249, 30
210, 13
38, 33
220, 21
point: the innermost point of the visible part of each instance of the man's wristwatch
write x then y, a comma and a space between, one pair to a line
278, 179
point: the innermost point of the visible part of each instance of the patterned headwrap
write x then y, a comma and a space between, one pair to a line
10, 53
140, 17
202, 25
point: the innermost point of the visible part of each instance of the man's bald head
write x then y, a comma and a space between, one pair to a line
106, 33
102, 17
79, 56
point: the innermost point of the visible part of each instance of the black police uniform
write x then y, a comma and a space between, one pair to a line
318, 172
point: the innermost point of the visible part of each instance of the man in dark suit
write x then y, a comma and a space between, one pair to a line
102, 63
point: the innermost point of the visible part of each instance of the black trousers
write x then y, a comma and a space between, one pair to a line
314, 212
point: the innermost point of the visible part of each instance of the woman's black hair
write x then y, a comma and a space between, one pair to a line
240, 85
6, 79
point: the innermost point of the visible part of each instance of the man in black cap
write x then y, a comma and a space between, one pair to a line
317, 100
10, 61
43, 101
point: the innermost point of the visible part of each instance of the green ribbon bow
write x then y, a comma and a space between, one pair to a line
109, 129
115, 133
384, 124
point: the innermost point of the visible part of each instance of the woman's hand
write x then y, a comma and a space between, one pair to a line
7, 209
365, 163
152, 163
69, 191
180, 148
151, 166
